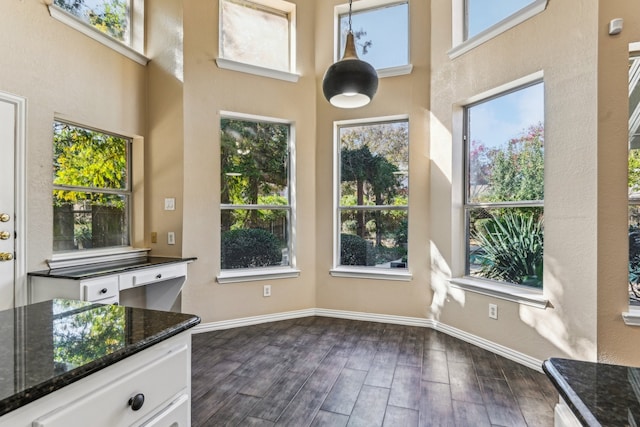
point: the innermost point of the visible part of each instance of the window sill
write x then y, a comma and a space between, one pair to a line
632, 317
94, 256
395, 71
250, 275
517, 18
401, 275
86, 29
227, 64
519, 294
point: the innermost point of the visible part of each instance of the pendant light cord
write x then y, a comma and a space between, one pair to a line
350, 1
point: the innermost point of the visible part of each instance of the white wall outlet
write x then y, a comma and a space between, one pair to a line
171, 238
170, 204
266, 291
493, 311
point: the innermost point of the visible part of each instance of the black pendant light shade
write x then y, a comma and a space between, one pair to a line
350, 82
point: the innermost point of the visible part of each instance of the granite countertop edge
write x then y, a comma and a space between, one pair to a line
574, 402
38, 391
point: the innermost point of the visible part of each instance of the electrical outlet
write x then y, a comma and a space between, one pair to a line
171, 238
266, 291
493, 311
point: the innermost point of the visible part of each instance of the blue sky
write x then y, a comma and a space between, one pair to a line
483, 15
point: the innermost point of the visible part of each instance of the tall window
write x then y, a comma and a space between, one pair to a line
258, 32
634, 180
373, 196
381, 34
112, 17
482, 14
504, 186
255, 193
91, 189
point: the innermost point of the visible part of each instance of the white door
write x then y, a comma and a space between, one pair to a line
12, 288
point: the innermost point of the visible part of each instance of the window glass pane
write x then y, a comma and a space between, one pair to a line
381, 35
506, 244
254, 238
482, 14
91, 189
254, 162
86, 220
381, 242
109, 16
374, 166
254, 34
634, 181
505, 158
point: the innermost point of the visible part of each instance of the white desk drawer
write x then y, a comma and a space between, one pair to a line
109, 406
150, 275
100, 289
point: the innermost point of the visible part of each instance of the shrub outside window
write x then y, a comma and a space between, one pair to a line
381, 34
373, 196
112, 17
504, 187
482, 14
634, 181
91, 189
258, 33
256, 204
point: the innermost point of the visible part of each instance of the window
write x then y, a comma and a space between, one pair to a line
256, 206
381, 33
109, 16
504, 186
634, 181
259, 33
373, 194
482, 14
91, 189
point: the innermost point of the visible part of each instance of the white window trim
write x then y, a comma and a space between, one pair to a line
251, 275
291, 75
95, 256
461, 46
349, 271
228, 64
341, 9
510, 292
267, 273
74, 22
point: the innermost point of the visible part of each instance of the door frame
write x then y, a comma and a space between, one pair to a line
20, 199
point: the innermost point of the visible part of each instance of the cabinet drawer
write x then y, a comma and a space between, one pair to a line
176, 414
150, 275
109, 406
100, 289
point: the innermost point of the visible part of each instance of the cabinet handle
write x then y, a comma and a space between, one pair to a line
158, 276
103, 290
136, 401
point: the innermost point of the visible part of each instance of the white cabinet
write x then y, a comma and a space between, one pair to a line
112, 396
101, 289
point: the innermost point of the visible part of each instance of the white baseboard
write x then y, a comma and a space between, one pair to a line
498, 349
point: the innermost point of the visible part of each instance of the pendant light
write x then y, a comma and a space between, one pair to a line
350, 82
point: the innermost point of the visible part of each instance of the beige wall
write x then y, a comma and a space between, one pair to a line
207, 91
180, 95
65, 74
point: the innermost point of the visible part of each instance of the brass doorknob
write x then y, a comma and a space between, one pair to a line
4, 235
4, 217
6, 256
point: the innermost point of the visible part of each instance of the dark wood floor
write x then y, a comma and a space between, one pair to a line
318, 371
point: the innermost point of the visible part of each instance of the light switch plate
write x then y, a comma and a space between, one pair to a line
170, 204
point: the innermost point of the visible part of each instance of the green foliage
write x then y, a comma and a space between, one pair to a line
354, 250
512, 248
634, 171
252, 247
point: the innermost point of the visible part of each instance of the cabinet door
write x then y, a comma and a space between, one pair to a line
113, 404
176, 414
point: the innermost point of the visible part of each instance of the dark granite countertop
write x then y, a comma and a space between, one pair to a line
48, 345
106, 268
598, 394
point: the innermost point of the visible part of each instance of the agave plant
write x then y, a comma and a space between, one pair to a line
512, 244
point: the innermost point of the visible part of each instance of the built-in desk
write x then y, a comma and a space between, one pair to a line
159, 279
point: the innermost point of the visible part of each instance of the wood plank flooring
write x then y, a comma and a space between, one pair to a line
319, 371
